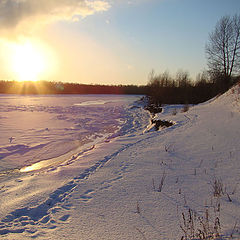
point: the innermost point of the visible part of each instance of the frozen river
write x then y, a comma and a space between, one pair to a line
51, 129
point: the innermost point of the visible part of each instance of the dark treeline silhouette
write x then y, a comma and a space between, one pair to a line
164, 89
45, 87
161, 88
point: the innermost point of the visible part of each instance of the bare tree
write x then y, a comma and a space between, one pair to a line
182, 78
223, 47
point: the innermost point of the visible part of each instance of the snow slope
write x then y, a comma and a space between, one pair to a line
116, 191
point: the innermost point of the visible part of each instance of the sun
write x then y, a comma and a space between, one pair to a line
28, 61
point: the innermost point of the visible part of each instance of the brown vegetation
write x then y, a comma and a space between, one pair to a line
45, 87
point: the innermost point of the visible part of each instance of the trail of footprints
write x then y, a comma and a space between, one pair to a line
87, 196
34, 220
31, 225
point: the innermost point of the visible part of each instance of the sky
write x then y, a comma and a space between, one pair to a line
106, 41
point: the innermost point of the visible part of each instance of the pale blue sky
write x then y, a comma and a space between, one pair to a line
156, 34
123, 43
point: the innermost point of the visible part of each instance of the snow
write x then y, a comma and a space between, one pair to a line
107, 187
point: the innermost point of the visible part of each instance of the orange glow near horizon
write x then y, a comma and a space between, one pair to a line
29, 60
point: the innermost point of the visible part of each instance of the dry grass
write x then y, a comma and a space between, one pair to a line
138, 208
196, 227
162, 182
217, 188
159, 189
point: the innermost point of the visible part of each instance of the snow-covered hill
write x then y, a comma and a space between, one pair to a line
176, 182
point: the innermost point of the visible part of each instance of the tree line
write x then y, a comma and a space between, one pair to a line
223, 59
46, 87
165, 89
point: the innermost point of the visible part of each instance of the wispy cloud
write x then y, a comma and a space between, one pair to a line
14, 13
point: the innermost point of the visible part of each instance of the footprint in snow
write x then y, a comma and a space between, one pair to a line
18, 180
45, 219
64, 218
85, 197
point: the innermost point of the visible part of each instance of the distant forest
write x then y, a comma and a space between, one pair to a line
161, 88
45, 87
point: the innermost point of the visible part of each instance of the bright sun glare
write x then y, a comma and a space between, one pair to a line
28, 62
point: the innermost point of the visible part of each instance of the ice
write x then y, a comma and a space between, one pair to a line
37, 128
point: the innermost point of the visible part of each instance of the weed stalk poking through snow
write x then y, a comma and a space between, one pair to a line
138, 208
162, 182
217, 188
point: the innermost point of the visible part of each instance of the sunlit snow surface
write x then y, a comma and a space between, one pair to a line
53, 128
103, 165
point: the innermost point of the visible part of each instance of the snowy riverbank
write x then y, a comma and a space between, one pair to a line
141, 184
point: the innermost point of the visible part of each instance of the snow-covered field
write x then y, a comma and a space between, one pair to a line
102, 175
